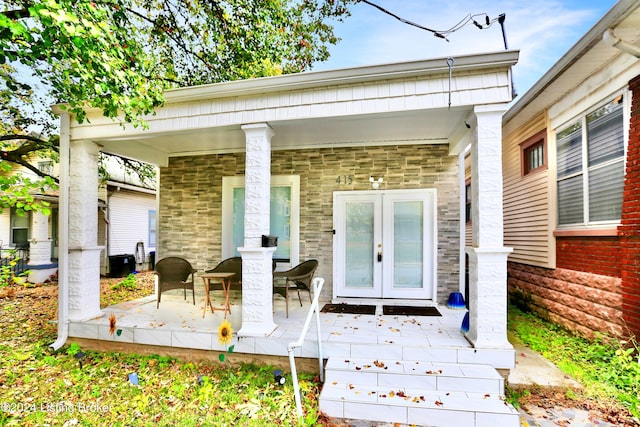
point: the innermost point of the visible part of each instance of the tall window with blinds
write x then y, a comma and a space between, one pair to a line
590, 160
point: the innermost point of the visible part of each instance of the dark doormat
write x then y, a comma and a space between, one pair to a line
404, 310
349, 309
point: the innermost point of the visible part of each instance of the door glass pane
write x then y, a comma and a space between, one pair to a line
407, 244
359, 244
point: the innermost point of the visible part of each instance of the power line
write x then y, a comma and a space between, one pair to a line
485, 21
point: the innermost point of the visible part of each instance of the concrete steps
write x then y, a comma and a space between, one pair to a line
423, 393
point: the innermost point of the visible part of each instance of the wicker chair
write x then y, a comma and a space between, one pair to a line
229, 265
298, 278
174, 273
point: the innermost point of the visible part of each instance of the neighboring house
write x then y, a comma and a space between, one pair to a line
33, 235
572, 184
126, 222
126, 214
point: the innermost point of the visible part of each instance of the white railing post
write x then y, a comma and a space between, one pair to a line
317, 284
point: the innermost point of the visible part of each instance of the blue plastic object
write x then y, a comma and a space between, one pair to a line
133, 378
465, 323
456, 301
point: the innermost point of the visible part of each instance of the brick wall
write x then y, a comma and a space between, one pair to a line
581, 302
629, 229
596, 255
191, 193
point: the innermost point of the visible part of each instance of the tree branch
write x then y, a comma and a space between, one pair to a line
16, 14
12, 157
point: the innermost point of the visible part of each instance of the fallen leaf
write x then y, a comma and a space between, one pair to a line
112, 324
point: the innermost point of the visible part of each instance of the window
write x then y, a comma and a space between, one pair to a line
152, 228
534, 153
590, 176
46, 166
284, 216
19, 228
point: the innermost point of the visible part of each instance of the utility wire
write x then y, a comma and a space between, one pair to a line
467, 20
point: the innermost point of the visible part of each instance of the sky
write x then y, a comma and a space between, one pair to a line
543, 31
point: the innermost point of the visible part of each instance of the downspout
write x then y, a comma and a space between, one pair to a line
63, 234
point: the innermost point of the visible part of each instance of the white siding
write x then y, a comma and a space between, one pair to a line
129, 221
5, 228
527, 218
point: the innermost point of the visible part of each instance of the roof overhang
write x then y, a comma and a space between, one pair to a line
400, 103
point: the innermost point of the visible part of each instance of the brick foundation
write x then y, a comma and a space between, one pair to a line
581, 302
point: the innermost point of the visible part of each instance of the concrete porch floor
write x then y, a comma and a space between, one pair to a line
180, 324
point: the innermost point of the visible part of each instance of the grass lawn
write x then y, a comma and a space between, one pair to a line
40, 388
607, 369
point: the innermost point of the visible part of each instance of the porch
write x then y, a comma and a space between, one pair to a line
179, 324
395, 368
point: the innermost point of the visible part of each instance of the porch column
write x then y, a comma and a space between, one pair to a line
84, 252
487, 255
257, 279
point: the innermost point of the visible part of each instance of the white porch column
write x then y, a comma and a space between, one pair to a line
40, 267
257, 278
487, 255
84, 252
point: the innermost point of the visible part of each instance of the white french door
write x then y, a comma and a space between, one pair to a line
385, 244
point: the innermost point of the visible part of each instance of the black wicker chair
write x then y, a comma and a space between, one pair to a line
174, 273
297, 279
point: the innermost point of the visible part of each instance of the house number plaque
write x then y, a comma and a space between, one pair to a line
344, 179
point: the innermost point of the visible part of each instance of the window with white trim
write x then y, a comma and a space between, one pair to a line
20, 224
590, 161
284, 217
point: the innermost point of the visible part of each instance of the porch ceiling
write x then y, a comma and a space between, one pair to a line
409, 127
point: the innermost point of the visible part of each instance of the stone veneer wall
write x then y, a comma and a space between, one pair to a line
581, 302
191, 193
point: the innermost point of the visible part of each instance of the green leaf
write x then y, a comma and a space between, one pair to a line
230, 350
221, 357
